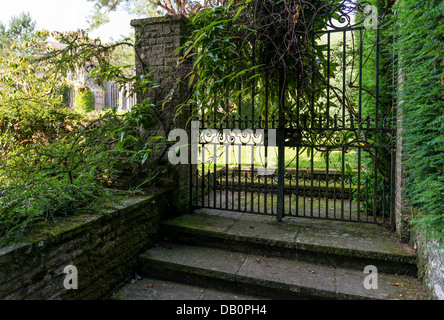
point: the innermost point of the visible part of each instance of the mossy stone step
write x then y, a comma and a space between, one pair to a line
274, 278
333, 243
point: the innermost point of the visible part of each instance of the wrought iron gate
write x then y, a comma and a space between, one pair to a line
322, 149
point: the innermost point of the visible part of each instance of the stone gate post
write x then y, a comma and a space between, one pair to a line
157, 40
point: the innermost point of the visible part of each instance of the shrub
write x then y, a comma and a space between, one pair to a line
84, 101
47, 180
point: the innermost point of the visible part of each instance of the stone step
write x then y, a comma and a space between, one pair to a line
274, 278
156, 289
333, 243
303, 190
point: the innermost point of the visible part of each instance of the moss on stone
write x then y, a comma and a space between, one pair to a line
42, 230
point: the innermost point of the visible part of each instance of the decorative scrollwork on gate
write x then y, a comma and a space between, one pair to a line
348, 14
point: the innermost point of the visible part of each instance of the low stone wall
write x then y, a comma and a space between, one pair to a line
430, 264
103, 248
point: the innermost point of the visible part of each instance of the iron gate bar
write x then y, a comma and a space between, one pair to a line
377, 79
281, 146
266, 129
240, 148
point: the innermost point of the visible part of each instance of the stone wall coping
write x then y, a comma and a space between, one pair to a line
158, 20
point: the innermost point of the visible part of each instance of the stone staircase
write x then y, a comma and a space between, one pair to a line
299, 258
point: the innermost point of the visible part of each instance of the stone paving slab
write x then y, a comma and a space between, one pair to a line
275, 276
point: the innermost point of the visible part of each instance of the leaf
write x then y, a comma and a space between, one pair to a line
146, 155
192, 54
190, 83
199, 37
188, 51
238, 13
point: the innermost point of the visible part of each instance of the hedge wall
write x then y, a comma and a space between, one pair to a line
419, 32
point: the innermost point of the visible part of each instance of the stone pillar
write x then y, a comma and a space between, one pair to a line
403, 212
156, 42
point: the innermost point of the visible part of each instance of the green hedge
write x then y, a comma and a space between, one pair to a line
84, 101
419, 31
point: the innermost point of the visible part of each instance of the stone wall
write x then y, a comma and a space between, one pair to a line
403, 212
430, 264
103, 247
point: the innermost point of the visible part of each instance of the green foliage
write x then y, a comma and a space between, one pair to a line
44, 181
140, 148
419, 31
124, 56
84, 100
20, 28
51, 161
370, 65
79, 48
29, 104
55, 161
3, 39
44, 197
